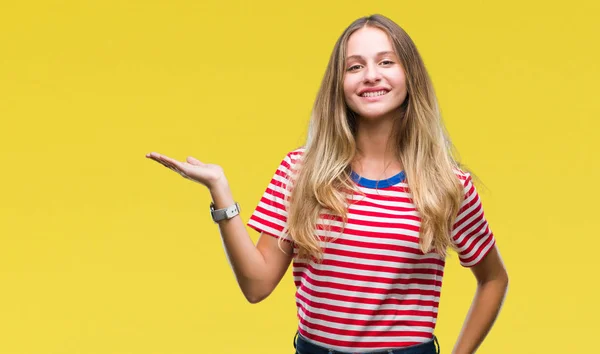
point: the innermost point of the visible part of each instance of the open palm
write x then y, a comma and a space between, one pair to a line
193, 169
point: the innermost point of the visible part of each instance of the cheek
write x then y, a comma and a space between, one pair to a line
348, 90
400, 80
400, 85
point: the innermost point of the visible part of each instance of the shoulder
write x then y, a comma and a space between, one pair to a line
293, 158
296, 155
466, 180
470, 194
289, 166
463, 175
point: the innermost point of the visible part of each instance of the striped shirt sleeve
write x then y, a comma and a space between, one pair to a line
270, 215
471, 232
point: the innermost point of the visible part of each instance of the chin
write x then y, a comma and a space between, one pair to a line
374, 115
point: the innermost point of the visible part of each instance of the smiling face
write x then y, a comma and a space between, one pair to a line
374, 82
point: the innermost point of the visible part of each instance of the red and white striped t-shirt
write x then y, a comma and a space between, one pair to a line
374, 288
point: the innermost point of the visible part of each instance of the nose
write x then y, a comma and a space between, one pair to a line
372, 74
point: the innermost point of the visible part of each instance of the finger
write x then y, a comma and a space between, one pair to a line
154, 158
171, 161
176, 170
157, 159
152, 155
194, 161
170, 165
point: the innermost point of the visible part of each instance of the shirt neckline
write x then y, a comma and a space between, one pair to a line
372, 183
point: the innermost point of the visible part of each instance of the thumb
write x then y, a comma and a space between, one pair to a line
194, 161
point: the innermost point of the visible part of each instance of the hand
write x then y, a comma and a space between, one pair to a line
206, 174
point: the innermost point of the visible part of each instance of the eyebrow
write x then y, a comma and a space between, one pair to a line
378, 55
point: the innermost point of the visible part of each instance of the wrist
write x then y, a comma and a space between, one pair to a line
218, 186
221, 194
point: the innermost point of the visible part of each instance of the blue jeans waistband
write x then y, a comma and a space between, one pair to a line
303, 346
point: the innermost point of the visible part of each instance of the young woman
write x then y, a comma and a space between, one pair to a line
365, 210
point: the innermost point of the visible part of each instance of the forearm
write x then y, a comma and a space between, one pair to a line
245, 259
482, 314
249, 262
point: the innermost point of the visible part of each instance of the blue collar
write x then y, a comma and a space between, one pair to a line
371, 183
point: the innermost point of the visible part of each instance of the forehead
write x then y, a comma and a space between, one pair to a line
368, 41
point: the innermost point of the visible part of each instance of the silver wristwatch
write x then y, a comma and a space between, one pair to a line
224, 214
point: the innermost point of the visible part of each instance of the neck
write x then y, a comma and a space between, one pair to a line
377, 156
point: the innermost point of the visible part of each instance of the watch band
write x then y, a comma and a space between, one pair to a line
225, 213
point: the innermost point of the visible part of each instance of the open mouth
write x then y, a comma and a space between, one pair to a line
374, 94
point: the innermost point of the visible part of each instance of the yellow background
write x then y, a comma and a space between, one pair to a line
104, 251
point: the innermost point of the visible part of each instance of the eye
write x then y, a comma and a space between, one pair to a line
354, 67
387, 62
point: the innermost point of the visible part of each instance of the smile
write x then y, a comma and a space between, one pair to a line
374, 94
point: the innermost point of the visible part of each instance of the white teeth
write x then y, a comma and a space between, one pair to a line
374, 94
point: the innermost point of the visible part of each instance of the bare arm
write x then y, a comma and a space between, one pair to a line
258, 269
492, 284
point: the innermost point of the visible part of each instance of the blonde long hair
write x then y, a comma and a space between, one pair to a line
422, 145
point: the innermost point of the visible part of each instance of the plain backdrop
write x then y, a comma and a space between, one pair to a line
104, 251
